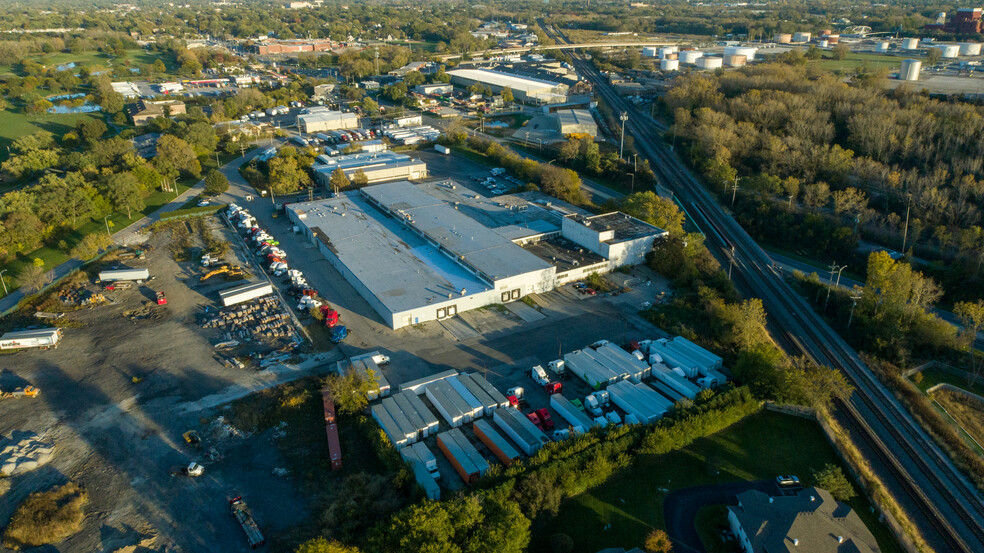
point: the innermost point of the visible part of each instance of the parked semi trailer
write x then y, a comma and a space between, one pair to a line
245, 519
41, 338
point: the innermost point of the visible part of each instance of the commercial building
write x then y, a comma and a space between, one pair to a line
289, 46
378, 167
424, 67
434, 89
426, 252
143, 111
323, 119
532, 91
576, 121
811, 521
967, 21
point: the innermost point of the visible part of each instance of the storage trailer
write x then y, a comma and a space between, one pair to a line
663, 374
424, 454
469, 410
465, 459
488, 404
640, 400
498, 397
527, 436
477, 407
389, 426
411, 414
430, 420
407, 428
574, 417
449, 410
331, 430
421, 474
418, 386
124, 274
246, 292
497, 444
38, 338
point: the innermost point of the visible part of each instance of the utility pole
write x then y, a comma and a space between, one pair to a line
905, 232
621, 145
4, 282
833, 269
854, 302
790, 208
734, 192
732, 265
377, 59
635, 162
106, 221
633, 182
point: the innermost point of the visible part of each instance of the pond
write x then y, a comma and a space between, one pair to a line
84, 108
65, 97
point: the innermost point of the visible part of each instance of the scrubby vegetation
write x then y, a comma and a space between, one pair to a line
47, 517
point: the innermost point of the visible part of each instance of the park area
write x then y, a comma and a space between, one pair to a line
855, 60
622, 511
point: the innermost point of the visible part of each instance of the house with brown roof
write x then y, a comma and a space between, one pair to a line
143, 111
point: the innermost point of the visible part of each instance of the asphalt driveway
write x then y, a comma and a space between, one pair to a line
680, 509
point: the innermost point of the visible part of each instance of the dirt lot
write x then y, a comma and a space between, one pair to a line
126, 381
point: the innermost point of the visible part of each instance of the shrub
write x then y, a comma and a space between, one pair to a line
561, 543
47, 517
658, 542
831, 478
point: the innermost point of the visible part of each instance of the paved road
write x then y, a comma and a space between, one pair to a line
939, 499
680, 509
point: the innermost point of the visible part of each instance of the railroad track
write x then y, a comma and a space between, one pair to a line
950, 513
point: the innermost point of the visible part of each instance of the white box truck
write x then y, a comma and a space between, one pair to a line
124, 274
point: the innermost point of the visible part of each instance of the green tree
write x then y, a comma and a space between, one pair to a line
840, 51
322, 545
215, 183
174, 156
831, 478
370, 106
350, 391
339, 181
89, 246
286, 174
33, 278
561, 543
90, 130
414, 78
933, 56
654, 210
359, 178
657, 541
125, 192
507, 95
112, 102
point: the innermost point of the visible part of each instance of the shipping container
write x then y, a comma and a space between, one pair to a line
445, 407
497, 444
124, 274
442, 149
246, 292
389, 426
331, 430
417, 386
574, 417
40, 338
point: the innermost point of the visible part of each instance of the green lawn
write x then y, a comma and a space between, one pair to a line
15, 124
932, 377
135, 56
855, 60
762, 446
712, 522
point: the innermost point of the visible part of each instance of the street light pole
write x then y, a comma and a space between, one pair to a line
732, 265
4, 282
635, 162
106, 221
734, 192
623, 117
854, 302
905, 232
833, 269
633, 182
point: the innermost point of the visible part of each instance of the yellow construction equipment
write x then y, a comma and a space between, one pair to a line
230, 272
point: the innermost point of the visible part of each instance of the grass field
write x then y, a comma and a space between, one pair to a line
932, 377
15, 124
759, 447
134, 56
855, 60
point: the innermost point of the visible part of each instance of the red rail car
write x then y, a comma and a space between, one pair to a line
331, 429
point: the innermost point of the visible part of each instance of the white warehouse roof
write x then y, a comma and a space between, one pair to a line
497, 78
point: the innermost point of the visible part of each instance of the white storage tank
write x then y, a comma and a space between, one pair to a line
949, 50
881, 47
669, 65
690, 56
709, 63
910, 70
801, 37
927, 42
667, 50
649, 51
782, 38
910, 43
746, 51
970, 48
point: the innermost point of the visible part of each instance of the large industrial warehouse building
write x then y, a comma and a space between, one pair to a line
378, 167
531, 91
322, 119
426, 252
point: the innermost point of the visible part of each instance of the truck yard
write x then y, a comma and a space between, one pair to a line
130, 376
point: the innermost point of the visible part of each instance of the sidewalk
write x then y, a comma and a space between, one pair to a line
132, 233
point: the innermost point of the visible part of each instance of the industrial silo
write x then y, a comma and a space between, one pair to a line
970, 48
910, 70
746, 51
709, 63
690, 56
910, 43
669, 65
881, 47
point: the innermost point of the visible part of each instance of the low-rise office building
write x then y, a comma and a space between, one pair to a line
380, 166
323, 119
576, 121
143, 111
